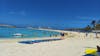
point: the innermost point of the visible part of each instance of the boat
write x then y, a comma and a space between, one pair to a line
17, 34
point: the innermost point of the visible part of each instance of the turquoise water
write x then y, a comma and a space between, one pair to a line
26, 33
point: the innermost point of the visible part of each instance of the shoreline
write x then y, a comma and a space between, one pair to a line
69, 35
24, 39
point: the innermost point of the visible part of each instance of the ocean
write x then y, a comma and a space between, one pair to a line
25, 33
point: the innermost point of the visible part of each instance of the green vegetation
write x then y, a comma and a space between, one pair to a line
95, 25
88, 28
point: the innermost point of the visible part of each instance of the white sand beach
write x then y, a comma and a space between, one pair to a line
67, 47
74, 45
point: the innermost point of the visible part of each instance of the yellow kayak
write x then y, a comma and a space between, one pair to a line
91, 51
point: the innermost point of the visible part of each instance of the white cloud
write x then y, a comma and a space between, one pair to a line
22, 13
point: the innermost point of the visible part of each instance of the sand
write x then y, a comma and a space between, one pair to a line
74, 45
66, 47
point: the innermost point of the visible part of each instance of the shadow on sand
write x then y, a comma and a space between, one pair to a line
38, 41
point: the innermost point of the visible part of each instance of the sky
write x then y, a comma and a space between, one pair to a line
49, 13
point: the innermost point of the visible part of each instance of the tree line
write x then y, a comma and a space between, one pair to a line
94, 25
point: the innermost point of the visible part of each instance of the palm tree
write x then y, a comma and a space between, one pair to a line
93, 24
98, 25
94, 27
88, 28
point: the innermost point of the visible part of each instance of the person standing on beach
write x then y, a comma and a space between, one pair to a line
62, 35
86, 34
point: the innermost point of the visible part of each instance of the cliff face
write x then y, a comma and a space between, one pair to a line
5, 25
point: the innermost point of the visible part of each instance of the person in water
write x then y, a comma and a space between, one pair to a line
62, 35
